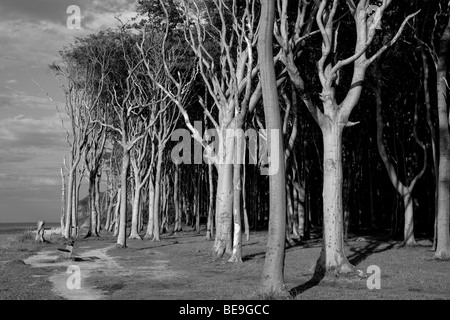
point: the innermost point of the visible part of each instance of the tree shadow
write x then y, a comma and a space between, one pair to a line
319, 274
358, 256
361, 254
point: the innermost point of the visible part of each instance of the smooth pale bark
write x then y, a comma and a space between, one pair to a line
75, 201
117, 213
92, 225
156, 205
121, 238
210, 224
135, 212
244, 201
109, 212
405, 191
63, 200
443, 216
74, 206
333, 257
97, 204
408, 232
70, 191
224, 208
151, 199
272, 279
236, 256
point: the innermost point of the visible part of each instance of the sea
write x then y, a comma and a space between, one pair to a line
8, 229
16, 227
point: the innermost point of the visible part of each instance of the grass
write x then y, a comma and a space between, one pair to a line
18, 241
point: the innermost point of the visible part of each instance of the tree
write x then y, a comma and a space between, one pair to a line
443, 217
272, 276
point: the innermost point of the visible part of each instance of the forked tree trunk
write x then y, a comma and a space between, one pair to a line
121, 238
272, 279
443, 217
404, 190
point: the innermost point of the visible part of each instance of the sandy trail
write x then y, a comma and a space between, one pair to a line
89, 262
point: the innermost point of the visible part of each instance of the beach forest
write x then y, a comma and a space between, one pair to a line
247, 149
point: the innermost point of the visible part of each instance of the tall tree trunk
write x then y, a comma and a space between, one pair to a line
73, 229
121, 238
98, 225
443, 233
117, 213
408, 233
156, 205
210, 224
109, 212
70, 190
237, 228
176, 201
333, 256
273, 273
63, 201
92, 221
151, 206
197, 200
244, 201
135, 212
76, 201
224, 208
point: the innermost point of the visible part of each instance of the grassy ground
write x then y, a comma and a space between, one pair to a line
180, 267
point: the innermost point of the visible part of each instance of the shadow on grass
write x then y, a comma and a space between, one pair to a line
359, 255
313, 243
319, 274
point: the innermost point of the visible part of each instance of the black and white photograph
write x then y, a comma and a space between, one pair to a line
223, 155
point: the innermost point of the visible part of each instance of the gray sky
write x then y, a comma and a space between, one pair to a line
32, 140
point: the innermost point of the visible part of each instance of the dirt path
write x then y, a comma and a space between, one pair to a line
181, 266
96, 261
88, 262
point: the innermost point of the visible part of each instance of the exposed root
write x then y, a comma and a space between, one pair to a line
135, 236
235, 259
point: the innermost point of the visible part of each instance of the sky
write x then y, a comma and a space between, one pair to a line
32, 138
